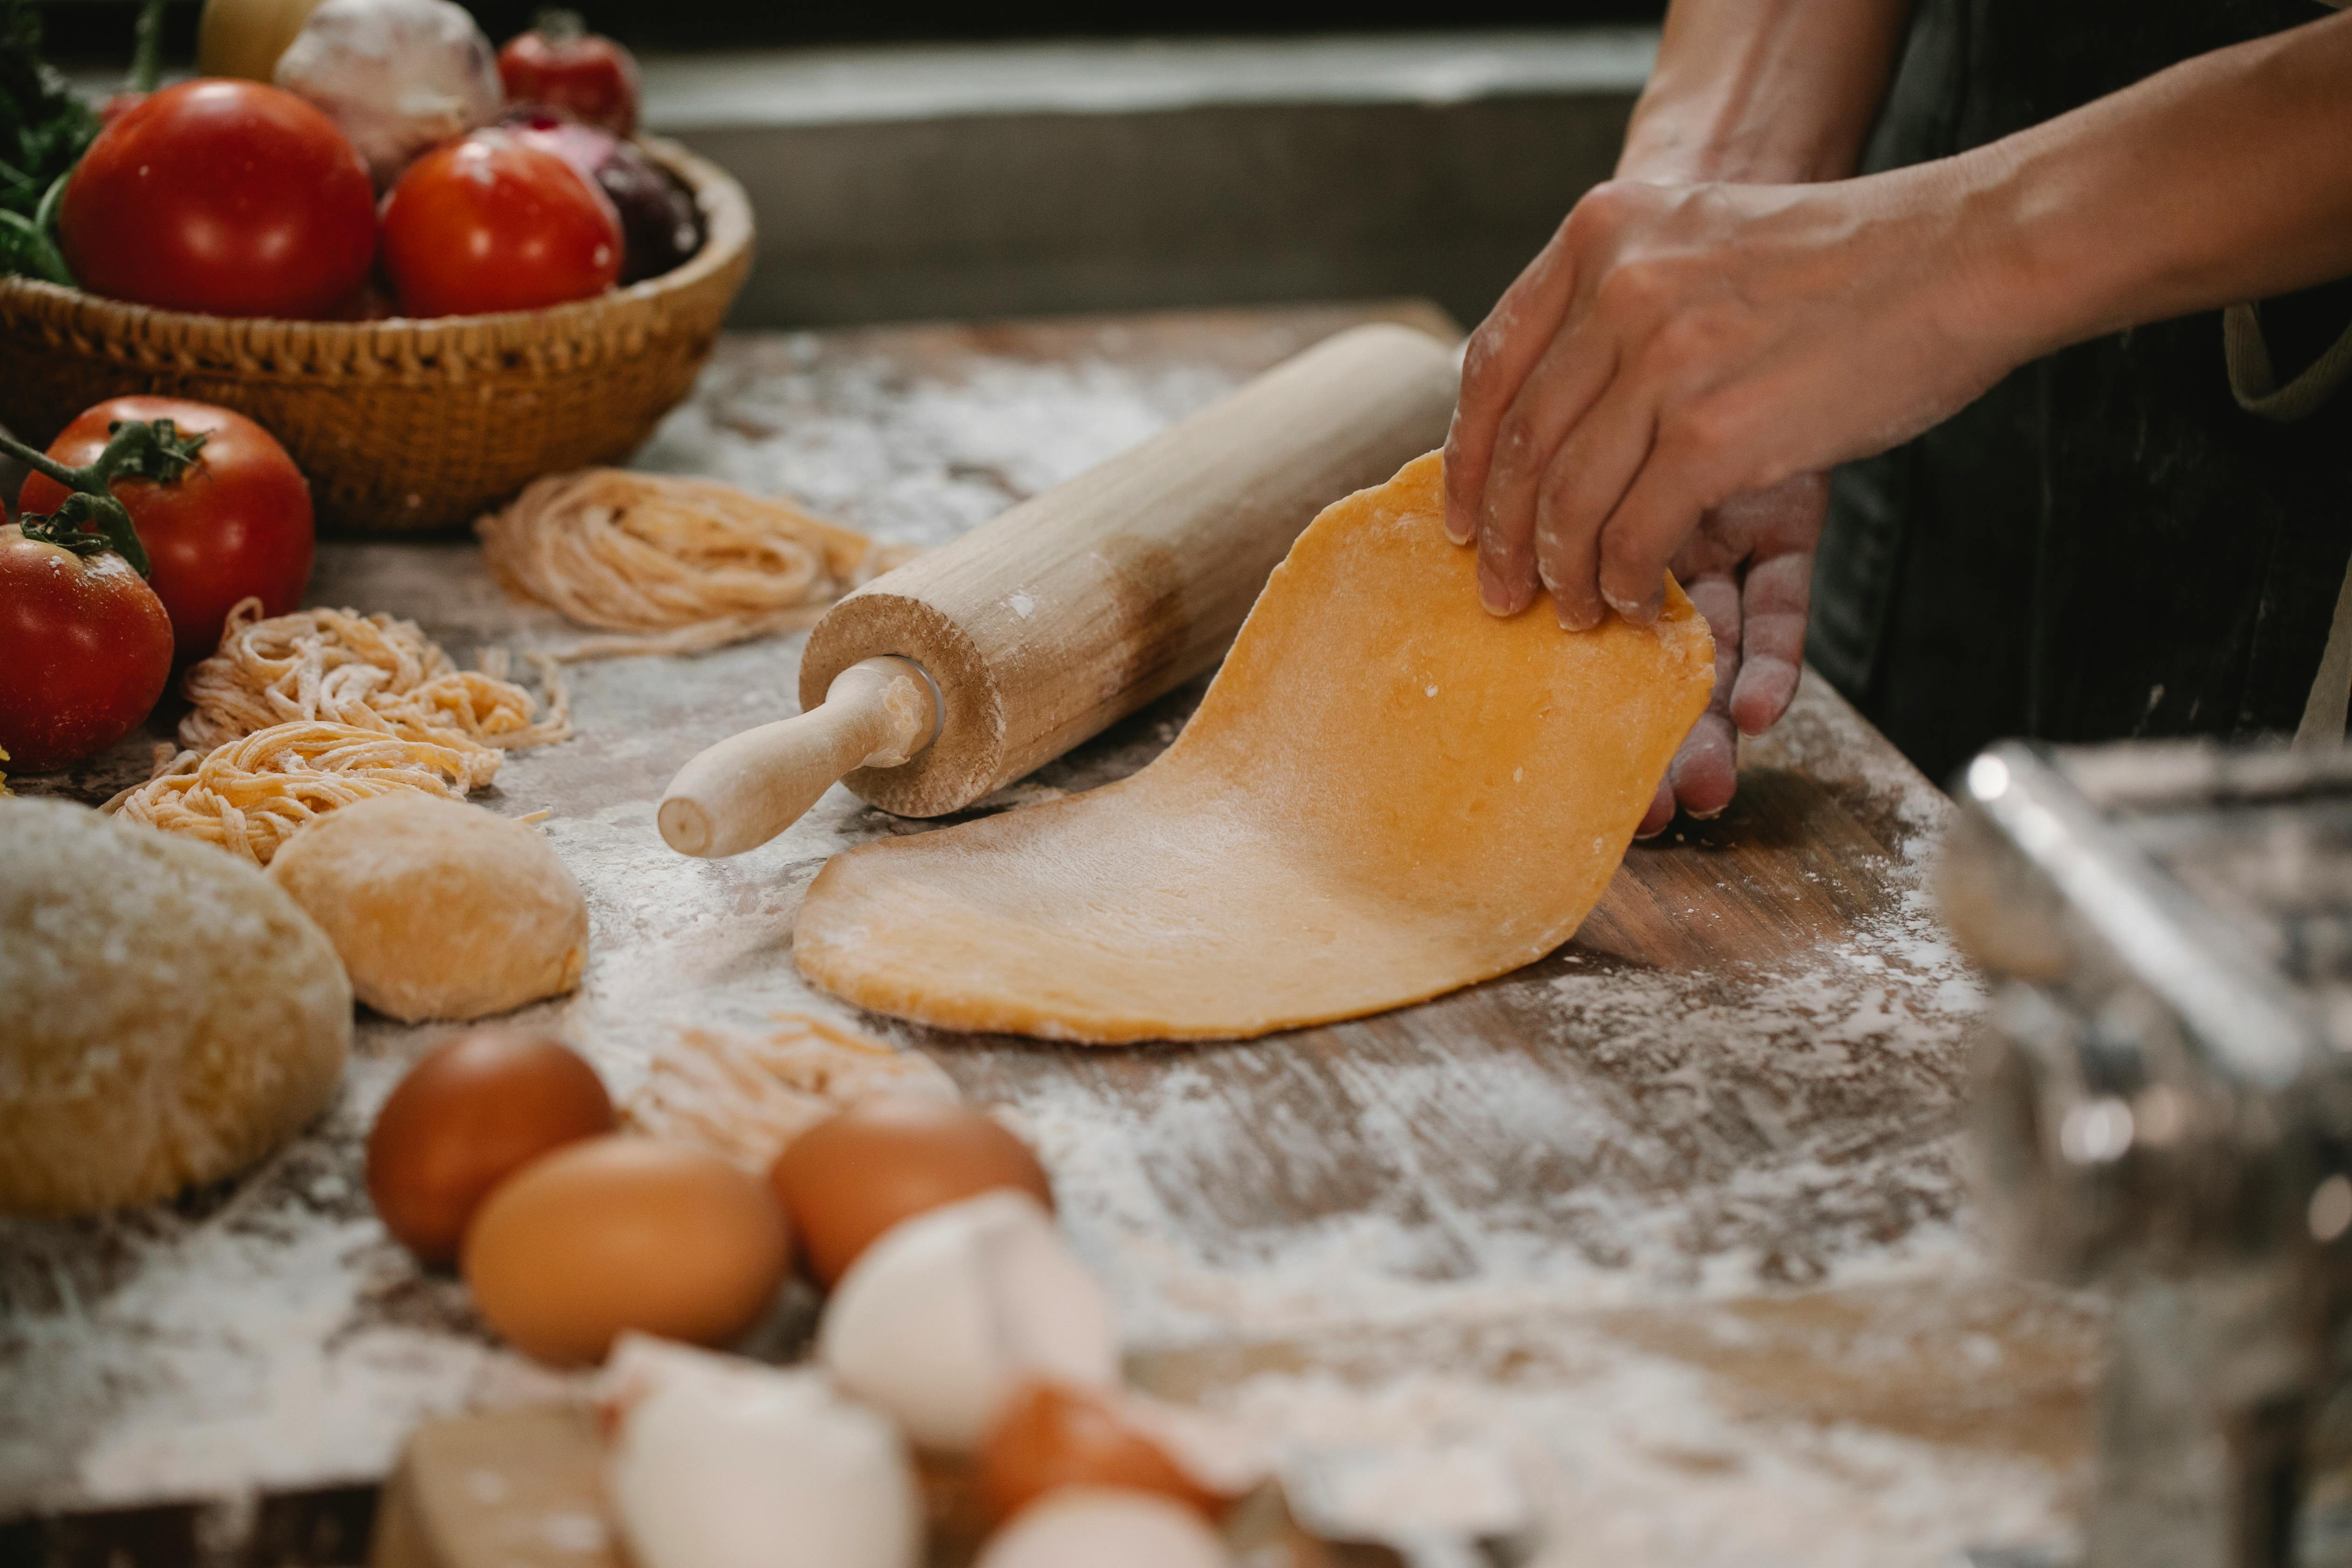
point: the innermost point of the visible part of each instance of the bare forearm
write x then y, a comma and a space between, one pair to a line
1763, 92
2228, 177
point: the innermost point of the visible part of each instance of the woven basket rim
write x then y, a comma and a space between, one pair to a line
727, 213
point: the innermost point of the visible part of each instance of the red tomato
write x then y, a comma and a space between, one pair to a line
86, 647
485, 222
561, 63
229, 197
237, 524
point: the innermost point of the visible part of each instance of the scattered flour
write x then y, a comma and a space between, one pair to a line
1637, 1137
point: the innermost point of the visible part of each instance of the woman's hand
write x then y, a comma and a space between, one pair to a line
1676, 346
1749, 569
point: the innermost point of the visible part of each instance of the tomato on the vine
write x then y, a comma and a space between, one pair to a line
231, 197
87, 646
560, 62
236, 524
488, 223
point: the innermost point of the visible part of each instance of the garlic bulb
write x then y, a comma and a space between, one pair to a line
940, 1319
398, 76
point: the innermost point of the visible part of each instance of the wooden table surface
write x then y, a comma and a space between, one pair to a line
1662, 1240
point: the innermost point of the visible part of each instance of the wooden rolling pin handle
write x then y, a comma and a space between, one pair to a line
742, 792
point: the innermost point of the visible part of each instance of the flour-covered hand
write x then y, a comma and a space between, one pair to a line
1748, 568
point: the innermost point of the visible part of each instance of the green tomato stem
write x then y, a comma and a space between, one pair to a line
147, 50
91, 516
88, 524
42, 463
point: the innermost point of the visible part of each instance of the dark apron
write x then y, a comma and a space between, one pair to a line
2105, 545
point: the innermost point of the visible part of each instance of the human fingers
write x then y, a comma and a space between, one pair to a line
1588, 480
1705, 769
1495, 363
1778, 529
1573, 374
1661, 503
1705, 774
1775, 600
1661, 812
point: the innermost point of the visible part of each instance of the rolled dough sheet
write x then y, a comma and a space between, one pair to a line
1386, 794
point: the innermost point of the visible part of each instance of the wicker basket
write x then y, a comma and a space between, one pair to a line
401, 425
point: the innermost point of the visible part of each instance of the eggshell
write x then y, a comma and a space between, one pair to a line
466, 1117
719, 1462
949, 1312
621, 1233
1050, 1436
1096, 1527
854, 1174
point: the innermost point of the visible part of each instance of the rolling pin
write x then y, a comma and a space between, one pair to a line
969, 666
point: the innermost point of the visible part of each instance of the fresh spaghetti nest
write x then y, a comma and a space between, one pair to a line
251, 794
745, 1097
296, 715
681, 565
369, 672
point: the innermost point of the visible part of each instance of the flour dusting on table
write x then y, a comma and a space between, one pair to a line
1561, 1237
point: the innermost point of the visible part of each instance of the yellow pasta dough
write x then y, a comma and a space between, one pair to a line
1387, 794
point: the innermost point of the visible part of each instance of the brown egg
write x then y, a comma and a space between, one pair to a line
857, 1173
466, 1117
625, 1232
1053, 1435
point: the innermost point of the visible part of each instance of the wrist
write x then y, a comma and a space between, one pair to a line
1664, 148
2026, 276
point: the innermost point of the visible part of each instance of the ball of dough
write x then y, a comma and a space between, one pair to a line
439, 909
169, 1015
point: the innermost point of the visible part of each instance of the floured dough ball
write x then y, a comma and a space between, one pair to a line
439, 909
166, 1016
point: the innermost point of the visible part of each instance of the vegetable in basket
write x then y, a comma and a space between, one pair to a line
43, 130
560, 63
661, 225
223, 197
398, 76
247, 37
489, 223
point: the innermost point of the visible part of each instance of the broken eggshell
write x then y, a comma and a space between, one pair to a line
719, 1462
1084, 1527
943, 1318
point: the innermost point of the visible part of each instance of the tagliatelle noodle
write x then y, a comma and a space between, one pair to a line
250, 794
683, 566
371, 672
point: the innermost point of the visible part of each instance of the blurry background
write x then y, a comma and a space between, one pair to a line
919, 160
